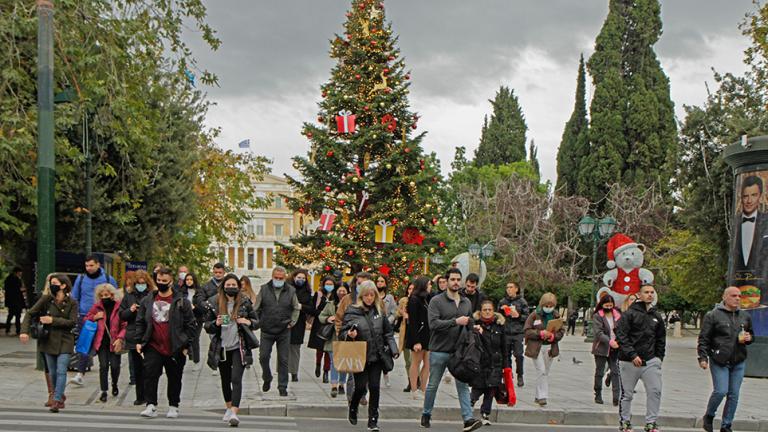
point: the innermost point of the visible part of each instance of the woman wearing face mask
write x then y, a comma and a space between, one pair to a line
110, 336
328, 316
541, 344
390, 309
304, 295
230, 351
495, 358
129, 307
605, 348
365, 321
319, 300
417, 335
191, 286
58, 312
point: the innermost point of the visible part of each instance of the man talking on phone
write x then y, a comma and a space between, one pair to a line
642, 338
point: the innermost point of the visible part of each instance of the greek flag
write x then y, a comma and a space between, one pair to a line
244, 144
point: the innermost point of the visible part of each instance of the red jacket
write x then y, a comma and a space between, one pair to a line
116, 325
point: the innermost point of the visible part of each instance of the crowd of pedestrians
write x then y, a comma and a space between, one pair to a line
158, 318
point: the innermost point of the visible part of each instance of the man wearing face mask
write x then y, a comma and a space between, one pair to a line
210, 288
165, 328
642, 337
182, 273
83, 292
304, 296
278, 310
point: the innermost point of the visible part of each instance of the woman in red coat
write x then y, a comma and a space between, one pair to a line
110, 335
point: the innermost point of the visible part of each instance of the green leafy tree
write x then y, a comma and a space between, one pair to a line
503, 137
574, 145
378, 173
632, 127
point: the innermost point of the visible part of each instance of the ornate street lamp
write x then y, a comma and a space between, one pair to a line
605, 228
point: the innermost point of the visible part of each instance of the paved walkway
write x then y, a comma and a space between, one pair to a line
686, 389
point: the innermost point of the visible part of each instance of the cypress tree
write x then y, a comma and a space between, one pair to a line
632, 131
575, 142
503, 138
533, 158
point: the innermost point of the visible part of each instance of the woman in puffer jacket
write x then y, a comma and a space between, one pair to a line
495, 360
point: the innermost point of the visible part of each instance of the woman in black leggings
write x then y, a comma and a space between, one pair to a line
231, 316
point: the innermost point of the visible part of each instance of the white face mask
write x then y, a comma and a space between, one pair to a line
548, 309
182, 275
140, 287
277, 283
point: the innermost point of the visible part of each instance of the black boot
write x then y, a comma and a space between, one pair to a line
707, 423
325, 377
520, 381
317, 370
598, 398
352, 415
115, 390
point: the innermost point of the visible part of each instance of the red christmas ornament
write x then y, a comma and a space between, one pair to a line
327, 268
434, 221
327, 188
442, 244
329, 153
309, 134
373, 43
391, 58
357, 76
349, 36
351, 253
407, 149
327, 243
394, 221
386, 70
342, 202
366, 108
320, 119
349, 14
413, 126
407, 76
324, 94
387, 90
362, 6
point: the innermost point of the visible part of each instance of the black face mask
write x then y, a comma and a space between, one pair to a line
55, 289
232, 292
163, 287
299, 282
108, 302
93, 275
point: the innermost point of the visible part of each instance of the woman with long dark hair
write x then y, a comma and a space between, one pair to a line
417, 335
229, 321
191, 285
605, 348
143, 284
57, 312
319, 300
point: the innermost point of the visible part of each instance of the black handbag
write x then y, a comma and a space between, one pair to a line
39, 330
249, 338
387, 360
326, 332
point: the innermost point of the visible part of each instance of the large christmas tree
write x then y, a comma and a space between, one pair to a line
366, 183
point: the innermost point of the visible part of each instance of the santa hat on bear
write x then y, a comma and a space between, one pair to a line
616, 244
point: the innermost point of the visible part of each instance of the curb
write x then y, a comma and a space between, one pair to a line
505, 415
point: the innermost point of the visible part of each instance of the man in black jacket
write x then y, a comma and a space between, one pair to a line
210, 288
472, 292
515, 310
14, 299
642, 339
165, 328
723, 341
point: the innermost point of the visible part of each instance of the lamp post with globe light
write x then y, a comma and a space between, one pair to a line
597, 230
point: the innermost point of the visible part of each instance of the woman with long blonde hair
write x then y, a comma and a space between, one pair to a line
110, 335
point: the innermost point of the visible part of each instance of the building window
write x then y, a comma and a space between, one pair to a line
250, 259
259, 226
278, 202
278, 230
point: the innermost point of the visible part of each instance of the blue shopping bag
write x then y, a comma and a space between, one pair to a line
85, 339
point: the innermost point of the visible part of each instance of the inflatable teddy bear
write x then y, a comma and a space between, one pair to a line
626, 275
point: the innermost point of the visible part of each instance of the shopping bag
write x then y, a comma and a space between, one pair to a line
349, 356
85, 339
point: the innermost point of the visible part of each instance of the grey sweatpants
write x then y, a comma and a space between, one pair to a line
650, 375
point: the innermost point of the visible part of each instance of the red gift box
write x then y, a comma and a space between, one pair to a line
326, 220
345, 122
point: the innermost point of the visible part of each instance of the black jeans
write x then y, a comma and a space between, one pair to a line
612, 362
13, 312
108, 362
283, 342
488, 393
231, 368
195, 351
154, 363
369, 378
517, 352
135, 359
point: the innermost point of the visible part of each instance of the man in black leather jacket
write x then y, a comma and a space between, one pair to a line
722, 349
515, 310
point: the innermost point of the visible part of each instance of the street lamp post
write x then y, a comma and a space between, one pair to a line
605, 228
479, 252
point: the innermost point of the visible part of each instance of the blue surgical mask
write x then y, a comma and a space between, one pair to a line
140, 287
328, 288
548, 309
278, 283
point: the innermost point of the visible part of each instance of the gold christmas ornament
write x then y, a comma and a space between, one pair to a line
404, 258
389, 166
412, 184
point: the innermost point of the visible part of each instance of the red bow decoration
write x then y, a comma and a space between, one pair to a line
385, 269
412, 235
390, 121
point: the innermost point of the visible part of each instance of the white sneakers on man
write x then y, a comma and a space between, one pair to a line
173, 412
149, 412
227, 415
77, 379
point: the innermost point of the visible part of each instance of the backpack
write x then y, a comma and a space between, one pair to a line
464, 363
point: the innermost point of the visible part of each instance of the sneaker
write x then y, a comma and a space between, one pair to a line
651, 427
486, 419
295, 377
334, 392
341, 389
283, 393
352, 416
103, 396
425, 421
149, 412
234, 421
373, 426
520, 382
599, 399
227, 415
625, 426
77, 379
417, 395
472, 424
115, 390
325, 377
215, 372
387, 384
726, 429
407, 388
173, 412
707, 423
540, 402
266, 386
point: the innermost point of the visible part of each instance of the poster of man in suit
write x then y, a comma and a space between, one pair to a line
749, 254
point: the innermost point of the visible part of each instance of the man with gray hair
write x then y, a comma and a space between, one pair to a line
278, 310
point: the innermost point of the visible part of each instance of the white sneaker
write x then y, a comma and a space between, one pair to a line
149, 412
77, 379
227, 415
387, 384
173, 412
234, 421
418, 395
215, 372
447, 379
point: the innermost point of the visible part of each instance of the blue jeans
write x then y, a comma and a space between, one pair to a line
438, 362
726, 383
336, 376
57, 369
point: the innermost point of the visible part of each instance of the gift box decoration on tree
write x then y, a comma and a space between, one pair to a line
384, 232
345, 121
327, 218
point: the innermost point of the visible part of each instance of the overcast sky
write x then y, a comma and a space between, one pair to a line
274, 57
